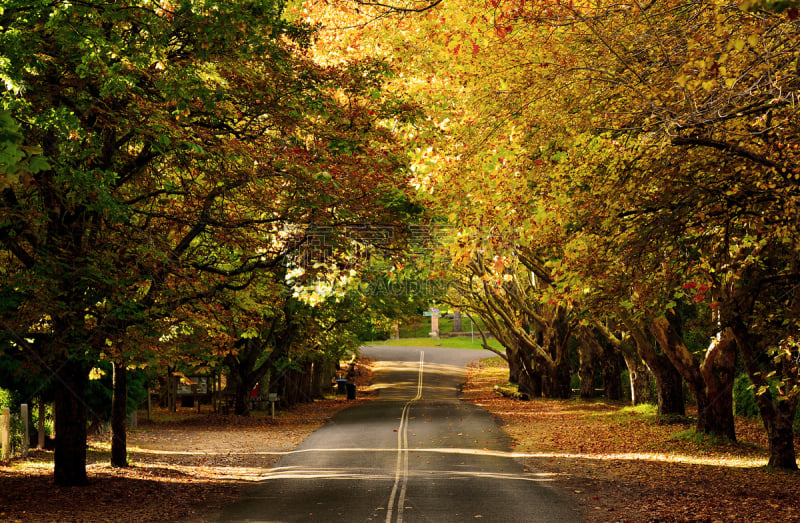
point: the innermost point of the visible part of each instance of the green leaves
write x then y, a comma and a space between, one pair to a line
17, 160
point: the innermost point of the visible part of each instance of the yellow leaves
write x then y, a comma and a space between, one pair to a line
96, 373
737, 45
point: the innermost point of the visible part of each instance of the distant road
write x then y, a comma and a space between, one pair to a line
416, 453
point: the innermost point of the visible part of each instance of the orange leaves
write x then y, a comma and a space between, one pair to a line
502, 31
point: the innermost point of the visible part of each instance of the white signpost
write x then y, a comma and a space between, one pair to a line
434, 313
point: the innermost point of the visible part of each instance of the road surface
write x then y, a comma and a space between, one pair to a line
416, 453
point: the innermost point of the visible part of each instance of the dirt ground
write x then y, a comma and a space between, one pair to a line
618, 464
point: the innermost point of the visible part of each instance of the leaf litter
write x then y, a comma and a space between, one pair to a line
623, 465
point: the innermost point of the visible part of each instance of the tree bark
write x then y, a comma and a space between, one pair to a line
639, 378
777, 416
515, 366
711, 382
557, 382
669, 383
119, 412
612, 373
586, 354
317, 374
71, 382
529, 378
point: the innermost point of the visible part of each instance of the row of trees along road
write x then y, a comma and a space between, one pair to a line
164, 166
621, 177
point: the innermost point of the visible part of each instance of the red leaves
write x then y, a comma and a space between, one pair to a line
503, 31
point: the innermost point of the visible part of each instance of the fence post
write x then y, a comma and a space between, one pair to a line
26, 435
5, 434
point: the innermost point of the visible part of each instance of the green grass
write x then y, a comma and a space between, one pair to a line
645, 410
702, 439
421, 328
453, 343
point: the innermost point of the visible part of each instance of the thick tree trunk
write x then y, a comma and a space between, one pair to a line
669, 383
780, 432
530, 384
557, 382
639, 378
586, 355
71, 382
515, 366
119, 412
669, 388
317, 376
777, 416
241, 398
612, 374
528, 375
711, 383
715, 414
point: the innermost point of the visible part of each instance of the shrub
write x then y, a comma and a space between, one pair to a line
744, 399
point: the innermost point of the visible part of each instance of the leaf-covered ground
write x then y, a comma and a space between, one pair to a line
620, 464
623, 464
183, 465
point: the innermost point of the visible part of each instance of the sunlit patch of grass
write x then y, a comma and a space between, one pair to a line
33, 465
623, 414
702, 439
645, 410
452, 343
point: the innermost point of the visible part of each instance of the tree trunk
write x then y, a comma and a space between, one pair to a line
669, 383
715, 414
71, 382
515, 366
317, 376
669, 388
586, 370
119, 412
42, 411
172, 391
557, 382
780, 431
777, 416
711, 383
612, 374
241, 398
639, 378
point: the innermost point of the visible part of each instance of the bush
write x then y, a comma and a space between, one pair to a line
9, 399
744, 399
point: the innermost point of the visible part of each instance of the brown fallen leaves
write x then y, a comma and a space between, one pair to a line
619, 464
184, 465
623, 465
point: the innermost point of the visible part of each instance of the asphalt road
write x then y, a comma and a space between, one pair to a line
416, 453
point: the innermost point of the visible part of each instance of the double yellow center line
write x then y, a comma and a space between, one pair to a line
401, 471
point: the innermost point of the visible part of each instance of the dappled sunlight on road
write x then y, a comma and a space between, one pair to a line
716, 461
360, 474
734, 462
